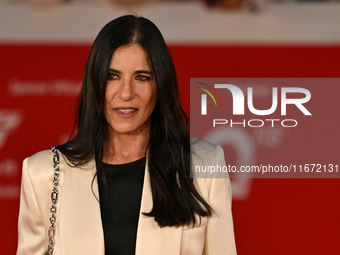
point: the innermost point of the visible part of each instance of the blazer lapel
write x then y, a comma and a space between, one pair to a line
80, 226
152, 239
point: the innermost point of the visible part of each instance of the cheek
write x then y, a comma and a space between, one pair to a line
109, 94
151, 101
107, 102
106, 106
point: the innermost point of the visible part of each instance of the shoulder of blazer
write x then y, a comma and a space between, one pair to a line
203, 155
40, 168
35, 200
202, 147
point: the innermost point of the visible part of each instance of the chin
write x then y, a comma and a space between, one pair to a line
125, 131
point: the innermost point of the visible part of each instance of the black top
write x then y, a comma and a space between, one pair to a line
120, 205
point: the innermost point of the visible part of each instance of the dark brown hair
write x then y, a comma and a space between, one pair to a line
175, 199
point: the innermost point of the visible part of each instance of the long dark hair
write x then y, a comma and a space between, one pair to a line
175, 199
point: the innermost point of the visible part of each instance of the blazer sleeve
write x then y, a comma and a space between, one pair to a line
219, 239
32, 235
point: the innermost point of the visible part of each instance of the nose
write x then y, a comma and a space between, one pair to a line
126, 90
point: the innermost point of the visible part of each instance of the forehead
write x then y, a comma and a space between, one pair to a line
132, 55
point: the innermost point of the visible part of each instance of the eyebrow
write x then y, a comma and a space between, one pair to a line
136, 72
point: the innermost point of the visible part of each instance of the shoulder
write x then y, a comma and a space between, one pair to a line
207, 159
37, 183
205, 153
40, 158
199, 145
39, 166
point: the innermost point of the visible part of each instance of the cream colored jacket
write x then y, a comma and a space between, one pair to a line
78, 222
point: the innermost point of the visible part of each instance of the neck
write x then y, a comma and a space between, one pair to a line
125, 148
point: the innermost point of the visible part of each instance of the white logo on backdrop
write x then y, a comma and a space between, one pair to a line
21, 88
9, 120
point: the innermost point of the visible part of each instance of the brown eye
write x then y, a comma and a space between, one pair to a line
143, 78
112, 76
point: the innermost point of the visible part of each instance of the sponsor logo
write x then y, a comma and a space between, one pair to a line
9, 121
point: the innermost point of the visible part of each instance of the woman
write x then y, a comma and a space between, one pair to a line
132, 152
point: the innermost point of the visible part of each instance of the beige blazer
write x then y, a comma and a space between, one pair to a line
78, 222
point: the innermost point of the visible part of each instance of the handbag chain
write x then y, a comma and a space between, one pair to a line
54, 198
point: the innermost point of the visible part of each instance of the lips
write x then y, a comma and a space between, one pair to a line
126, 111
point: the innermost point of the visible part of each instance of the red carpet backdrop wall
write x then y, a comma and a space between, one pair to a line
41, 77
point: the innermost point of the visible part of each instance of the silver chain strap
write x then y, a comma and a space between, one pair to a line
54, 198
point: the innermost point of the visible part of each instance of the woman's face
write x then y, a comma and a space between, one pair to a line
130, 94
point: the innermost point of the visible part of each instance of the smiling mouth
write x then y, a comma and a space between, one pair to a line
126, 111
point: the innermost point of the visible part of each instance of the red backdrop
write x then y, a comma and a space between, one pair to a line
37, 106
